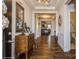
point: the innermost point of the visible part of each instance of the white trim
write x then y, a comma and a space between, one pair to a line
46, 8
38, 11
57, 24
13, 27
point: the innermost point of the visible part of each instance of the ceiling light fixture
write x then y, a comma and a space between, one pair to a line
45, 16
43, 1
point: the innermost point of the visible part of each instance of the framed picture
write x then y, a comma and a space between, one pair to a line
59, 21
19, 17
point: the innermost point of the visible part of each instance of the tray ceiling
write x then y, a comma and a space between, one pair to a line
52, 4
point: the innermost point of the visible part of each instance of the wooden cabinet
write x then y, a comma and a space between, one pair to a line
24, 46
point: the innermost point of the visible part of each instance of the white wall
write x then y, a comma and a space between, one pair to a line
66, 31
28, 16
61, 28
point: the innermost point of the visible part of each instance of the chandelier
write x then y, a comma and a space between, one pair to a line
43, 1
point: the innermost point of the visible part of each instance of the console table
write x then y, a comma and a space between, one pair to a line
24, 46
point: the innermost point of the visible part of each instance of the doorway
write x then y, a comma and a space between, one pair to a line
73, 29
45, 26
45, 21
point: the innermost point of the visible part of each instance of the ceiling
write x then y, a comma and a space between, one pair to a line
52, 5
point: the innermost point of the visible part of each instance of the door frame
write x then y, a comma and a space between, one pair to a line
69, 22
70, 26
34, 20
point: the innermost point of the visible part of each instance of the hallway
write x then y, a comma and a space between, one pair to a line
53, 52
29, 27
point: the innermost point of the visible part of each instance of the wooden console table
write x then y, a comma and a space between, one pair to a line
24, 46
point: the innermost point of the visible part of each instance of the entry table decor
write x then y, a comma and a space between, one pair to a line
5, 21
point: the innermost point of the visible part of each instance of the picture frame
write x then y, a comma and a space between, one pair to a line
19, 17
60, 21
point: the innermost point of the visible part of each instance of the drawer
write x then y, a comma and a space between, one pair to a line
20, 47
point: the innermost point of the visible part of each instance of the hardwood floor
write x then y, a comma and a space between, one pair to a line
50, 50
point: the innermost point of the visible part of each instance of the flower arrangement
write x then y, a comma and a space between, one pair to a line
5, 21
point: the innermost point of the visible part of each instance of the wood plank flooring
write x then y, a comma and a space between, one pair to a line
50, 51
